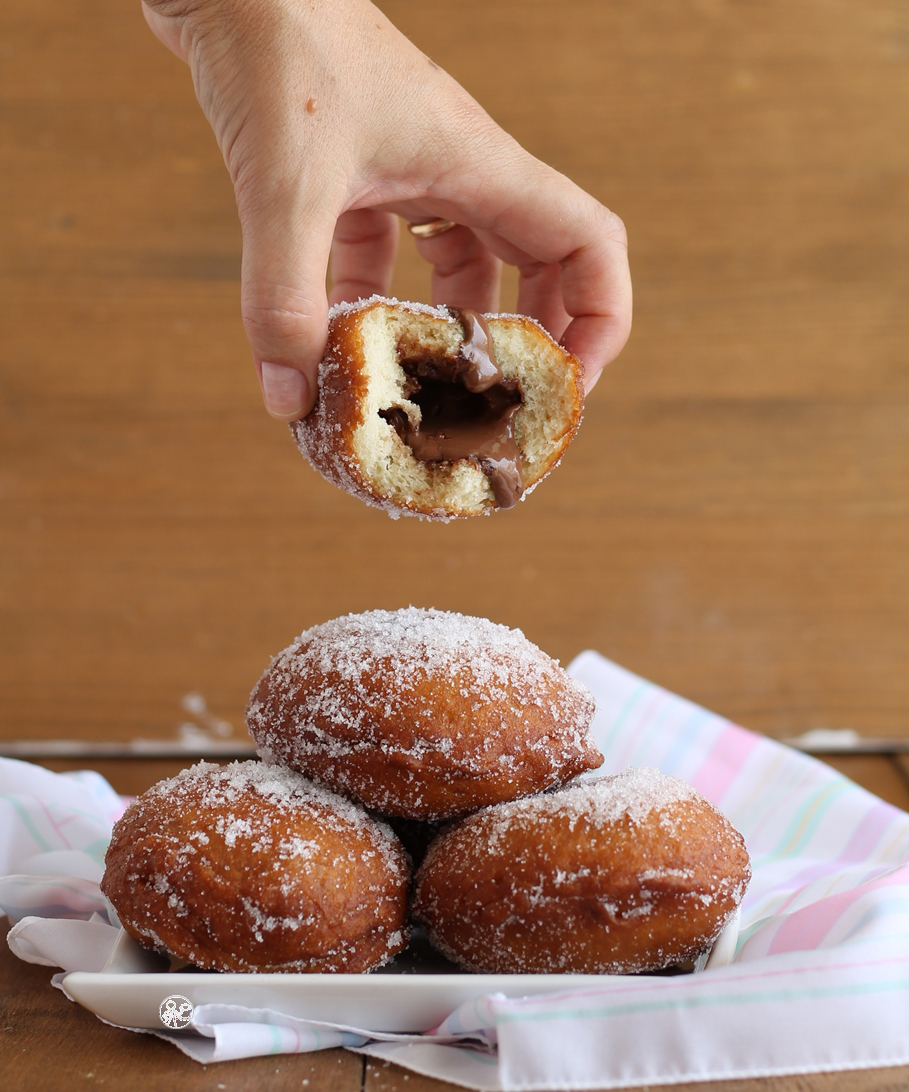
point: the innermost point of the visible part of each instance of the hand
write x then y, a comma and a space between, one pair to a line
332, 124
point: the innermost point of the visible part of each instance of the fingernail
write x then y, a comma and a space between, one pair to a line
284, 390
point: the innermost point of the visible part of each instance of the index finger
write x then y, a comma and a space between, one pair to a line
574, 267
532, 217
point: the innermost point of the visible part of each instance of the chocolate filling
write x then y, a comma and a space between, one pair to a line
468, 409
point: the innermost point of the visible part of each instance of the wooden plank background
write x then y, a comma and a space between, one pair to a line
732, 522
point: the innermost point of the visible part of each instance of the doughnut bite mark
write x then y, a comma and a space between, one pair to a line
439, 413
422, 714
616, 875
250, 867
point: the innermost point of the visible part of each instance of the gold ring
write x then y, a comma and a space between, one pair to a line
432, 229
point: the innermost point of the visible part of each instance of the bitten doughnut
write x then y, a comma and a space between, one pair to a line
615, 875
249, 867
436, 412
422, 714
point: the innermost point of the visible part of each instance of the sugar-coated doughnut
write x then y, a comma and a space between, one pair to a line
615, 875
439, 413
422, 714
249, 867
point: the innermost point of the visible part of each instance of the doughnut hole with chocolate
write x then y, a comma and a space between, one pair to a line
436, 412
249, 867
615, 875
422, 714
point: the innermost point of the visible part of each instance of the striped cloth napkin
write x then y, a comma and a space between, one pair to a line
820, 979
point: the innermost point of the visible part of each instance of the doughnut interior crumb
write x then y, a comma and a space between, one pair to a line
363, 376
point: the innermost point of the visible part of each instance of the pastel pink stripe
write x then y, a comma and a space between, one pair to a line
53, 822
807, 928
860, 849
870, 832
724, 763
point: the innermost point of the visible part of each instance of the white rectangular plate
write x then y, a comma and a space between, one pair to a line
415, 993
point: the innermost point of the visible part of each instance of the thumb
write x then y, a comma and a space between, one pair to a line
286, 251
257, 69
166, 26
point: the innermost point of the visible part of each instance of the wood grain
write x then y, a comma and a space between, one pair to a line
387, 1077
732, 521
48, 1043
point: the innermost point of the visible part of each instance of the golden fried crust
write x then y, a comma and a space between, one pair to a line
613, 876
348, 441
251, 868
343, 383
422, 714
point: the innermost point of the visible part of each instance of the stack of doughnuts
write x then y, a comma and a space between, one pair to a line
467, 739
289, 864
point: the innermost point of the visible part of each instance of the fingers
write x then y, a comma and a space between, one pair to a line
465, 272
574, 277
165, 21
584, 298
571, 252
540, 295
286, 251
363, 255
285, 391
596, 288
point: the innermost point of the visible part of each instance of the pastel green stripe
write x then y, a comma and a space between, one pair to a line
746, 934
97, 850
755, 805
725, 999
481, 1058
642, 745
277, 1040
896, 848
807, 820
480, 1019
27, 823
626, 712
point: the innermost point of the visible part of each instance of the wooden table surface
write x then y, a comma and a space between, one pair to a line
732, 522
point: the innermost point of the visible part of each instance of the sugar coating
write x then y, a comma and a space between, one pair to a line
415, 639
413, 308
212, 786
413, 685
637, 795
620, 874
440, 311
243, 826
634, 794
